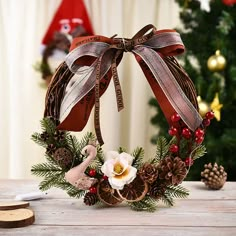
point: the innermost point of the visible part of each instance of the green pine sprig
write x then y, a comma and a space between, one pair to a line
167, 200
138, 155
45, 170
70, 189
162, 149
174, 192
146, 204
198, 152
37, 139
121, 149
177, 191
98, 161
51, 181
48, 125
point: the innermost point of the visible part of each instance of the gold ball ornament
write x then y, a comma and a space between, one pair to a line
204, 107
216, 62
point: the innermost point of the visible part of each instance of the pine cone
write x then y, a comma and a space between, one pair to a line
214, 177
44, 136
51, 148
59, 135
157, 190
63, 156
90, 199
148, 173
173, 171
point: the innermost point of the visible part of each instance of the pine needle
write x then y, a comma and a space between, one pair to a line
177, 191
168, 199
198, 152
161, 151
48, 125
37, 139
138, 155
121, 149
146, 204
50, 181
45, 170
70, 189
98, 161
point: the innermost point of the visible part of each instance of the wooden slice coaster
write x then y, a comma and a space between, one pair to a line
13, 205
16, 218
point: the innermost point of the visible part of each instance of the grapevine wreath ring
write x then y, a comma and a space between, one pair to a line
80, 167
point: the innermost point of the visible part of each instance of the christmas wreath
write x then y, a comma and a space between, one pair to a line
81, 167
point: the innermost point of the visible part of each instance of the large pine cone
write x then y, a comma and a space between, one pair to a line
90, 198
214, 176
148, 173
63, 156
172, 170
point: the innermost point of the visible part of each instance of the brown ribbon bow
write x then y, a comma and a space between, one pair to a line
94, 60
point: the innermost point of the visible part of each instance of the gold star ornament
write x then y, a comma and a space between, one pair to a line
216, 106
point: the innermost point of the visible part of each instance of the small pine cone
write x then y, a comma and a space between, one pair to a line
90, 199
157, 190
148, 173
51, 148
59, 135
44, 136
214, 176
172, 170
63, 156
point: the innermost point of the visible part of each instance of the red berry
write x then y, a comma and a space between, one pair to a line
174, 148
188, 161
210, 115
175, 117
105, 177
173, 131
206, 122
186, 133
199, 133
199, 140
92, 172
93, 189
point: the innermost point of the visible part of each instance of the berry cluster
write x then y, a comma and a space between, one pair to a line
93, 173
179, 130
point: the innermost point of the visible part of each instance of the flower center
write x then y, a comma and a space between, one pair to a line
118, 168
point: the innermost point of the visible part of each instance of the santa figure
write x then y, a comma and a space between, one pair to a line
70, 20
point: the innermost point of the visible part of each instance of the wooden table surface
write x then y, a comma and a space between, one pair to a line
205, 212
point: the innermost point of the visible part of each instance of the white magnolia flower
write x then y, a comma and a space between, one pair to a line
117, 167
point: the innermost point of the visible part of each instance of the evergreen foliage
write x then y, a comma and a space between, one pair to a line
54, 169
203, 34
138, 155
162, 148
146, 204
174, 192
53, 173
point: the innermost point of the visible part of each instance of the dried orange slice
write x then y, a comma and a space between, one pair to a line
135, 191
107, 194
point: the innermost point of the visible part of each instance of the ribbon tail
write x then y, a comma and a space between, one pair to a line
79, 97
97, 104
119, 97
166, 89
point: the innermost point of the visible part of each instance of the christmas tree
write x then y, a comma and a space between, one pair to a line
209, 33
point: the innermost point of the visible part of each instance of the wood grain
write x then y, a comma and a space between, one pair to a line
16, 218
142, 230
204, 213
6, 205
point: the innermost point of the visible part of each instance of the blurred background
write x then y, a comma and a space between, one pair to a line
30, 50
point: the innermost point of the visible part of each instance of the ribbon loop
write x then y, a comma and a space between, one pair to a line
94, 60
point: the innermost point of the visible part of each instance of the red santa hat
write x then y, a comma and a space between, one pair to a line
69, 15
